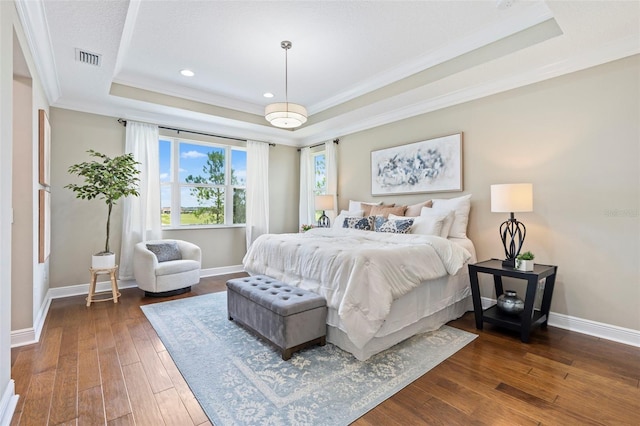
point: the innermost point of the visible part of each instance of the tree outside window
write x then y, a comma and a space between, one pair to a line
205, 183
320, 174
320, 188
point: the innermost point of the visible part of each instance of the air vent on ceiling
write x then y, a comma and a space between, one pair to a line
88, 57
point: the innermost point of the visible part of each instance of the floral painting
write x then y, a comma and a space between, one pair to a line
433, 165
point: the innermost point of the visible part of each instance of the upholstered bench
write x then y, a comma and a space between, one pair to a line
289, 317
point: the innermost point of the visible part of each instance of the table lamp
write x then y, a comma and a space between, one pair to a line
511, 198
324, 202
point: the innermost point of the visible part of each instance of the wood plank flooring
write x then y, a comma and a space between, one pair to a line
105, 365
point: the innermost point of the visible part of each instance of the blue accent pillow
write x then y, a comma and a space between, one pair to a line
165, 251
363, 223
396, 226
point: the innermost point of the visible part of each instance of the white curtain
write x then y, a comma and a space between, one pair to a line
257, 191
331, 169
141, 215
307, 213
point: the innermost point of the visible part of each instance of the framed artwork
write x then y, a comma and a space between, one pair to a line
44, 154
44, 225
433, 165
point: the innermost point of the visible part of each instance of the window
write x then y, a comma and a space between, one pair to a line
320, 173
202, 183
319, 170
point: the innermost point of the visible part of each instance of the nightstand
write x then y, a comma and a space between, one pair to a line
529, 318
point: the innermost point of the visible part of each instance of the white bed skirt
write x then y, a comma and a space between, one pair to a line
424, 309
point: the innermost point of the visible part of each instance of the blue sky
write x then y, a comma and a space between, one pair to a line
192, 159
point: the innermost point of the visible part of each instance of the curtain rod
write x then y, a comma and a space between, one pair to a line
336, 141
124, 123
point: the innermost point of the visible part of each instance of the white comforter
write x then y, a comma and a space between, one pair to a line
360, 273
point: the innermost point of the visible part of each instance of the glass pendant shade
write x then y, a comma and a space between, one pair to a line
285, 115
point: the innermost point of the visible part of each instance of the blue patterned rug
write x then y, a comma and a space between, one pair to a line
240, 380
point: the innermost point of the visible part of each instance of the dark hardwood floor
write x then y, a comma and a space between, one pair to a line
106, 365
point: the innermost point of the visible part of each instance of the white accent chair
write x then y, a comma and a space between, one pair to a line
166, 267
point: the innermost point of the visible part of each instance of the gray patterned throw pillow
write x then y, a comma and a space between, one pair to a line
165, 251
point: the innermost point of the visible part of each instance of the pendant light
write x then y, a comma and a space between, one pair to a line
285, 114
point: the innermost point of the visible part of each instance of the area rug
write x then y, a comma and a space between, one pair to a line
241, 380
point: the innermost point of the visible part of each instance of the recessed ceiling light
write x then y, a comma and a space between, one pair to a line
187, 73
504, 4
268, 95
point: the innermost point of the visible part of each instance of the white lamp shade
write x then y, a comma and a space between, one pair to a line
324, 202
512, 197
285, 115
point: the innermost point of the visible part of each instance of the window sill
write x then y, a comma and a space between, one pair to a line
197, 227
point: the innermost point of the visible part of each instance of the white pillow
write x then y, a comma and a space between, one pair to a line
461, 207
440, 215
339, 220
431, 223
354, 206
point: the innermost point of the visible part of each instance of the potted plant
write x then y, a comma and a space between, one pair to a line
108, 179
524, 261
305, 228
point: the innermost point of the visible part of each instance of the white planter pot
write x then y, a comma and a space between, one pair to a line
524, 265
103, 261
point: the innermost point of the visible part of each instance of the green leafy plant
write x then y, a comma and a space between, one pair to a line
527, 255
305, 228
107, 179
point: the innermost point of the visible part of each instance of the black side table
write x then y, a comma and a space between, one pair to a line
527, 319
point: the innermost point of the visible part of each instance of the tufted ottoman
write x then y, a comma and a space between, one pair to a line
289, 317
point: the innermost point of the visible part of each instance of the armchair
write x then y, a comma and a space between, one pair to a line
166, 267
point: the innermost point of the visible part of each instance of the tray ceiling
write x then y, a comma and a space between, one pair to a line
354, 64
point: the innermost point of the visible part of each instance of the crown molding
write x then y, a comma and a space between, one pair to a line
184, 119
412, 103
192, 95
36, 30
127, 35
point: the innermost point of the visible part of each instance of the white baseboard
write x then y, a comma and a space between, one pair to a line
211, 272
596, 329
28, 336
8, 403
23, 337
42, 315
588, 327
81, 289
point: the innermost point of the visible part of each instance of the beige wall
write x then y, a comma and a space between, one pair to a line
284, 189
78, 225
22, 242
576, 138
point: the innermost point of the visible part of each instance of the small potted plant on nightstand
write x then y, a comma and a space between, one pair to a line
524, 261
305, 228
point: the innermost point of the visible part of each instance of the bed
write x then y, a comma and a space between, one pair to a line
381, 288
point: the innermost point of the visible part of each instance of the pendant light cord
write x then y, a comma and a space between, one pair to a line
286, 74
